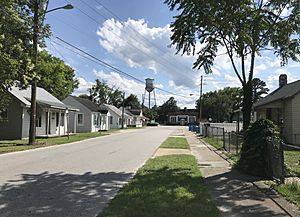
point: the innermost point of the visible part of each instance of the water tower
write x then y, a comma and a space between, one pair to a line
149, 88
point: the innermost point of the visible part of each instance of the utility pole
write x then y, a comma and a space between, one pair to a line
36, 22
200, 99
123, 110
32, 128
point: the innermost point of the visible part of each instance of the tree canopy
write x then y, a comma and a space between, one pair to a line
169, 106
259, 89
245, 28
55, 76
220, 105
132, 101
102, 93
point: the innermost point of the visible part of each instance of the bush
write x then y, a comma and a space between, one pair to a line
254, 158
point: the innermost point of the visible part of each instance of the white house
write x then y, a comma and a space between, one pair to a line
90, 118
282, 106
138, 119
51, 119
115, 119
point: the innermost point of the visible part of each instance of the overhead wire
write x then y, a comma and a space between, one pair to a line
97, 60
156, 59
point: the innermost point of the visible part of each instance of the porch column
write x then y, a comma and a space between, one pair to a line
65, 122
59, 120
48, 122
75, 121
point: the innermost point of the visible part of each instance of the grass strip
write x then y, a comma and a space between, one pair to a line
175, 142
165, 186
291, 159
217, 143
291, 191
20, 145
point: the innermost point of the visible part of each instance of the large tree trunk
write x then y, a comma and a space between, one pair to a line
247, 104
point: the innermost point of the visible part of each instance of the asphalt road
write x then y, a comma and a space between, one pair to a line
75, 179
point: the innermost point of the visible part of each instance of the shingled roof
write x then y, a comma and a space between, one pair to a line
280, 93
88, 103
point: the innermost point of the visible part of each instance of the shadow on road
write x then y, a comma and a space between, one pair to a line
59, 194
236, 196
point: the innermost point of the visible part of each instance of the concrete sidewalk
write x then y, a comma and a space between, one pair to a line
234, 193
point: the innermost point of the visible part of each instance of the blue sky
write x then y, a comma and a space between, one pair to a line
135, 38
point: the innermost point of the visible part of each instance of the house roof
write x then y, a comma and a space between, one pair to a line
280, 93
116, 110
136, 112
89, 104
43, 97
190, 112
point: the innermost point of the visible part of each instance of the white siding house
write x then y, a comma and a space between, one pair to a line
115, 119
90, 118
51, 116
282, 106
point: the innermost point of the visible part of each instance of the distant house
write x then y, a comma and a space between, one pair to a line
138, 119
51, 119
182, 117
90, 118
283, 107
115, 119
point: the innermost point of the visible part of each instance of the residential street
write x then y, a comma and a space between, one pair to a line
75, 179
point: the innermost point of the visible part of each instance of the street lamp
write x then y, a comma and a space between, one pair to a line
32, 127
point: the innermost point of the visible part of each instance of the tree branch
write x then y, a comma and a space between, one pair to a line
231, 59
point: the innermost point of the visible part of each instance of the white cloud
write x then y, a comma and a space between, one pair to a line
148, 49
84, 85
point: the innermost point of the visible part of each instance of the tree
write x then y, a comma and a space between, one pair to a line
220, 105
132, 101
102, 93
245, 28
259, 89
55, 76
169, 106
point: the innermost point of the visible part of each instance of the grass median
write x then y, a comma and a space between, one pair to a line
165, 186
175, 142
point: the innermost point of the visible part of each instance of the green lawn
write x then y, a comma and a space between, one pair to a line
217, 143
165, 186
20, 145
291, 191
175, 142
291, 159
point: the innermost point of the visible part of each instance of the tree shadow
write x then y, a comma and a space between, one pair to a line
59, 194
235, 195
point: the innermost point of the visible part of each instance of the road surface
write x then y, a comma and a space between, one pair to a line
75, 179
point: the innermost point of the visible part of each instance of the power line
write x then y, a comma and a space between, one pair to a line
154, 58
138, 33
107, 65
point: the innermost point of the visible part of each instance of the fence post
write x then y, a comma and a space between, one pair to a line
224, 139
237, 143
282, 163
229, 141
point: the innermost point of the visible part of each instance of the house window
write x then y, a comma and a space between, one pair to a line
80, 119
173, 119
111, 119
120, 121
39, 121
96, 119
3, 115
57, 119
62, 119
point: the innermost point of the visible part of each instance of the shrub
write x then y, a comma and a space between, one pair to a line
254, 158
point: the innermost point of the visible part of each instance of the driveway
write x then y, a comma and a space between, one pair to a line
75, 179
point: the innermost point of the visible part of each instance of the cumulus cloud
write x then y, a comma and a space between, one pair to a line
83, 87
141, 46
